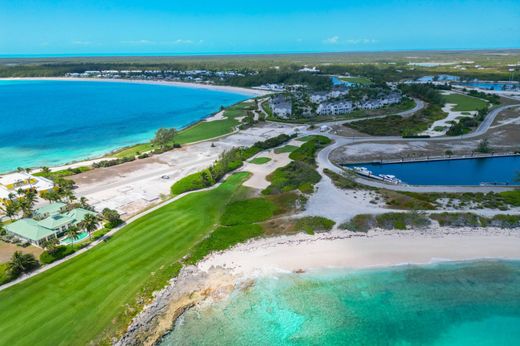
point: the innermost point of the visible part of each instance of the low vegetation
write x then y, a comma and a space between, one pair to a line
227, 162
395, 125
389, 221
474, 220
46, 173
296, 175
346, 181
307, 151
313, 224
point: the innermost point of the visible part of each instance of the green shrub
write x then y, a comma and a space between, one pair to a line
511, 197
295, 175
307, 151
5, 277
390, 221
345, 181
359, 223
505, 221
402, 221
195, 181
457, 219
312, 224
59, 253
223, 238
248, 211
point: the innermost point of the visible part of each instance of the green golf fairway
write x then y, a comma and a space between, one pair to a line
92, 296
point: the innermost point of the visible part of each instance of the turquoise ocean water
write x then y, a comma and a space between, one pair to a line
469, 303
54, 122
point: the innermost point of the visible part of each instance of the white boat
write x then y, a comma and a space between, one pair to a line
362, 170
390, 178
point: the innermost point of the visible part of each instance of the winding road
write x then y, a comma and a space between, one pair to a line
323, 157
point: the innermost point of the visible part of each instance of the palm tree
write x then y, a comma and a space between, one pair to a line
72, 232
21, 263
51, 245
46, 171
10, 208
90, 223
84, 203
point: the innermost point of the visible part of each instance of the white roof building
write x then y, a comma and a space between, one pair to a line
11, 183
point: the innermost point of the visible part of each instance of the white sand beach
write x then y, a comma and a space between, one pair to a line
220, 274
378, 248
247, 91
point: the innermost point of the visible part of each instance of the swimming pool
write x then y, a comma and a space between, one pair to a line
472, 171
78, 238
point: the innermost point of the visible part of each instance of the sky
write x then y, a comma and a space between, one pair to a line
45, 27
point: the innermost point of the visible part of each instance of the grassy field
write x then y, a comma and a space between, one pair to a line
260, 160
465, 103
285, 149
95, 294
198, 132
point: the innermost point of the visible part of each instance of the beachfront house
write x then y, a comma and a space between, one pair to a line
48, 222
11, 183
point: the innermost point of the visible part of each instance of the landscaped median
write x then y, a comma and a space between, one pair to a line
228, 161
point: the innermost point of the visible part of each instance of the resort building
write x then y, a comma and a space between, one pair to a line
48, 222
335, 108
11, 183
281, 106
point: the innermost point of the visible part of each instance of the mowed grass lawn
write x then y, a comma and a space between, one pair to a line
260, 160
285, 149
200, 131
465, 103
94, 295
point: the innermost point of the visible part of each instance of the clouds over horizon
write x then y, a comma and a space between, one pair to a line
336, 40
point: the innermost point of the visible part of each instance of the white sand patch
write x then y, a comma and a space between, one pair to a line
341, 249
341, 205
217, 116
445, 123
260, 172
381, 148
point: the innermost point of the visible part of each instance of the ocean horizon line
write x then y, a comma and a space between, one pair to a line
244, 53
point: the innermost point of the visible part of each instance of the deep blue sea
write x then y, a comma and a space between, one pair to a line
452, 172
467, 303
47, 123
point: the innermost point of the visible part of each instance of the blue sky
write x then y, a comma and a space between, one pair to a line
266, 26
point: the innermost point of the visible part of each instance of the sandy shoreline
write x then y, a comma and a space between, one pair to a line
222, 273
342, 249
246, 91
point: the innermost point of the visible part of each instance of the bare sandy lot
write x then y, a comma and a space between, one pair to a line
133, 186
7, 250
